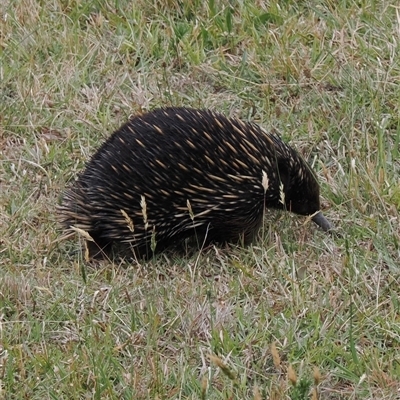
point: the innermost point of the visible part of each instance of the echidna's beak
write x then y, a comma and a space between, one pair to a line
322, 222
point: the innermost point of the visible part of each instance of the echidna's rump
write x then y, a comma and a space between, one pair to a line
175, 172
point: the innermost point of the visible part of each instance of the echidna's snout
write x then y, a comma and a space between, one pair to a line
322, 222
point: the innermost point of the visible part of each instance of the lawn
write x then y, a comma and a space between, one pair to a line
300, 314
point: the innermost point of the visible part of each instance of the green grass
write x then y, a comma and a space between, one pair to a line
300, 314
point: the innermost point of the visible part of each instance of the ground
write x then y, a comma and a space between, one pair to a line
300, 313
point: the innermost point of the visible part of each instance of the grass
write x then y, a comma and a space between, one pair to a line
300, 314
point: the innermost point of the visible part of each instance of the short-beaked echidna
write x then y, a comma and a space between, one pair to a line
178, 172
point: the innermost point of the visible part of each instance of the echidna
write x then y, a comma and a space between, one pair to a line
178, 172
